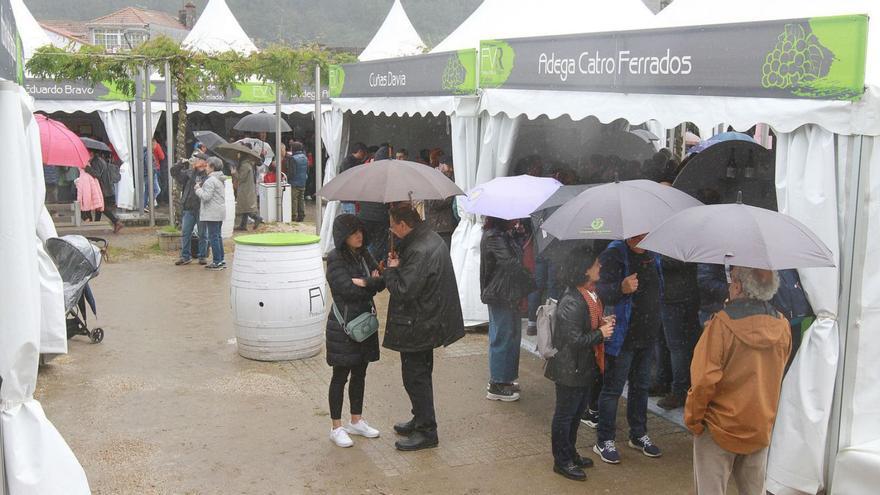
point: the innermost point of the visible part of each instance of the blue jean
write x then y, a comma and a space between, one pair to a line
213, 229
571, 402
545, 282
156, 188
188, 221
505, 335
633, 365
681, 326
347, 207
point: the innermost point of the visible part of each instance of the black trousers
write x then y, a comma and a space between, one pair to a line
355, 389
109, 204
417, 368
571, 402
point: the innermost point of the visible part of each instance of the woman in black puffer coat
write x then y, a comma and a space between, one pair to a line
354, 279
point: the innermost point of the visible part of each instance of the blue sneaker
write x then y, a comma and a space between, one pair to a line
646, 446
607, 452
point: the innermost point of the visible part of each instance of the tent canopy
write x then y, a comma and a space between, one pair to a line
32, 35
523, 18
218, 31
396, 37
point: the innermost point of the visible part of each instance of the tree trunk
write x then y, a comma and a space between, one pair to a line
179, 152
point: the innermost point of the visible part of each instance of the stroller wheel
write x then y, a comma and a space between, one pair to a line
97, 335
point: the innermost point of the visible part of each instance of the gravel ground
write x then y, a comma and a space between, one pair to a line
165, 405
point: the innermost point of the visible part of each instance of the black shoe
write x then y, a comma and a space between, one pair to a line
257, 222
582, 462
531, 330
406, 428
203, 261
502, 391
591, 418
671, 401
181, 261
571, 472
658, 390
418, 440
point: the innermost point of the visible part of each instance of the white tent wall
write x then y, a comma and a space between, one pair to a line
334, 135
36, 457
396, 37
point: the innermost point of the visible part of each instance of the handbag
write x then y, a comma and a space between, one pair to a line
364, 325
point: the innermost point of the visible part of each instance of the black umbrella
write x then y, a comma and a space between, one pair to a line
210, 139
260, 122
235, 152
94, 144
718, 173
545, 243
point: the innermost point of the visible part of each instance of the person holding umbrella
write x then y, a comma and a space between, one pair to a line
736, 379
245, 194
504, 281
631, 283
424, 312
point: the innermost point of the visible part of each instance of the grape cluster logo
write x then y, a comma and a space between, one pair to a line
454, 74
797, 59
598, 223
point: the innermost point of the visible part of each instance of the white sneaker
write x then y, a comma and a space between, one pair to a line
340, 437
362, 428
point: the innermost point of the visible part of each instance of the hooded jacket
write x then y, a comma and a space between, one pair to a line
503, 278
351, 300
245, 188
736, 376
212, 195
424, 311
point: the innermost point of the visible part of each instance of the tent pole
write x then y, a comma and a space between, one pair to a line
852, 258
319, 155
137, 144
3, 481
279, 193
169, 134
148, 140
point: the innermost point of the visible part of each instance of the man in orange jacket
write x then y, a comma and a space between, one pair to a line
736, 376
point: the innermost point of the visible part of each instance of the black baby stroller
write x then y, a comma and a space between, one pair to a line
78, 261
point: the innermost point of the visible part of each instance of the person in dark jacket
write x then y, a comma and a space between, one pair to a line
424, 312
714, 292
631, 282
504, 281
375, 218
356, 157
438, 212
187, 177
298, 171
101, 170
792, 302
681, 325
354, 279
579, 326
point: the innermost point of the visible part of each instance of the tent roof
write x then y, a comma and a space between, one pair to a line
396, 37
218, 31
32, 35
498, 19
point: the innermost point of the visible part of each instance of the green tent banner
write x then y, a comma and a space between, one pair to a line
250, 92
435, 74
819, 58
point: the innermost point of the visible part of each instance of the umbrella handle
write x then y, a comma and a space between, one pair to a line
727, 266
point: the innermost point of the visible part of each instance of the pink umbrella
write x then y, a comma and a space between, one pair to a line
60, 146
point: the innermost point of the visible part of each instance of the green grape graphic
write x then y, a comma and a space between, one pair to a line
454, 73
797, 59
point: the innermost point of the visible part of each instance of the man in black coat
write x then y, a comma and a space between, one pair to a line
424, 313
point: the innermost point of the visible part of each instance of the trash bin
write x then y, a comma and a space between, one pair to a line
269, 202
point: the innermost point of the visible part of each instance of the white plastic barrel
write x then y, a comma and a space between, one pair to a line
229, 221
278, 296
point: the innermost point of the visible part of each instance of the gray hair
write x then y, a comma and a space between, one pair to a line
215, 163
756, 284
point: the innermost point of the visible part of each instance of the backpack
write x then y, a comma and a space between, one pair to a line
546, 317
113, 172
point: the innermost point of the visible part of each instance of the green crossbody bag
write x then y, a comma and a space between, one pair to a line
364, 325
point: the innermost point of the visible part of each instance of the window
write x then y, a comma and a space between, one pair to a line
115, 40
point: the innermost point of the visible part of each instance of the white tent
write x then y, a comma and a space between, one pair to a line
218, 31
396, 37
498, 19
32, 35
825, 151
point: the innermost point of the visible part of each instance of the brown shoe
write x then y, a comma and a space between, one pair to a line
117, 227
671, 401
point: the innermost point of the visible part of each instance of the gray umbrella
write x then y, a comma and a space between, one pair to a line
94, 144
236, 152
739, 235
389, 181
618, 210
260, 122
564, 194
210, 139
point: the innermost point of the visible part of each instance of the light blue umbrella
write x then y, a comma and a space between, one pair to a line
510, 198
